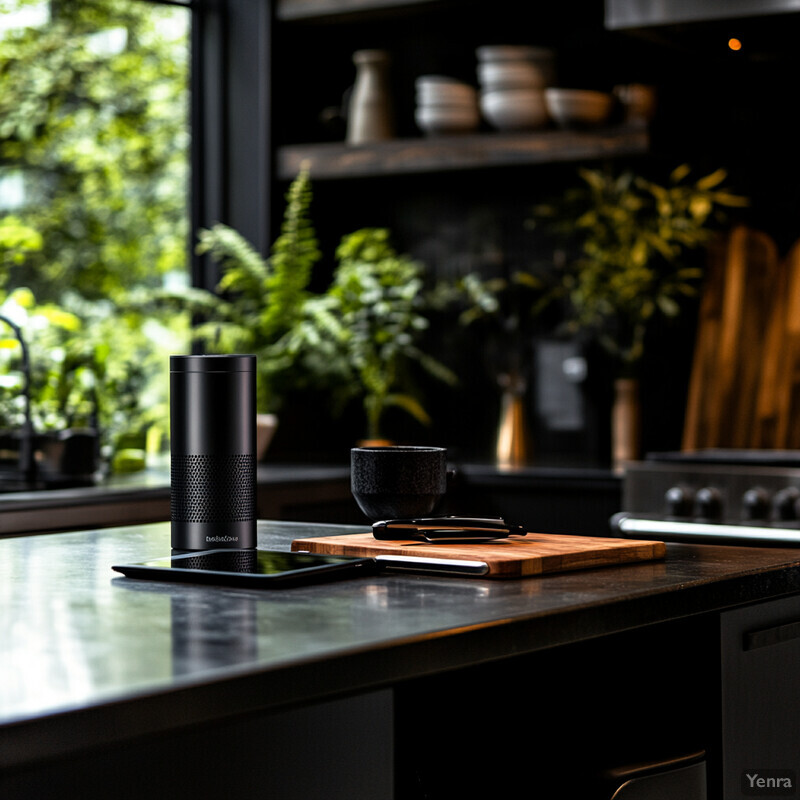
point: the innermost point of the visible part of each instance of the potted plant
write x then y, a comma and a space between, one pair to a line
376, 298
257, 301
352, 340
627, 244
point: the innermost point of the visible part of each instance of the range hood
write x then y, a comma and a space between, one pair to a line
625, 14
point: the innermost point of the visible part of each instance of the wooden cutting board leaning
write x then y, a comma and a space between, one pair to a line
744, 387
516, 557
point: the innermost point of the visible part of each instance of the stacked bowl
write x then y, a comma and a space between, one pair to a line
445, 105
513, 80
578, 108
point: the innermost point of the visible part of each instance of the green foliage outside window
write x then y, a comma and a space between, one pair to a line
94, 128
98, 128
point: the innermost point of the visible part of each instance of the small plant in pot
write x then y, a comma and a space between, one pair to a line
626, 243
353, 340
375, 297
257, 301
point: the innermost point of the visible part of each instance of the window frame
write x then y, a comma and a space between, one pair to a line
231, 161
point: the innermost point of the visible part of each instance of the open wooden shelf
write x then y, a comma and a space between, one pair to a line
287, 10
459, 152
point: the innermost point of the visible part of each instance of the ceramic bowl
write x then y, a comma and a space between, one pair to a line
398, 482
514, 109
541, 58
578, 107
437, 83
437, 90
441, 119
511, 52
511, 75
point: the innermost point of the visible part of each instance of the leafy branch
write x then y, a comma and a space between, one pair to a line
257, 301
356, 339
376, 294
632, 238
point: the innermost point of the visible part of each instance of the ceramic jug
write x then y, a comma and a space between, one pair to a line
370, 114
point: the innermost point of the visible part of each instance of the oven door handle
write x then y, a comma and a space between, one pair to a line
631, 526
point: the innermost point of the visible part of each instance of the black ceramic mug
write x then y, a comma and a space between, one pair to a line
398, 482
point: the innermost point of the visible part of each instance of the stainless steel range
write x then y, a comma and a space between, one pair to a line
720, 496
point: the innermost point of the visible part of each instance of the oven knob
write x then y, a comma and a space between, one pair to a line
708, 503
785, 503
756, 504
679, 501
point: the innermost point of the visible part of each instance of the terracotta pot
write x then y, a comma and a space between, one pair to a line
265, 430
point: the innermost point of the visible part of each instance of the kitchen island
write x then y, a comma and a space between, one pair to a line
397, 685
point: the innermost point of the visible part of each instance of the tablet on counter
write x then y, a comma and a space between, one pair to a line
274, 569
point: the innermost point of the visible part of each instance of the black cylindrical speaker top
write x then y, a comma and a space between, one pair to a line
213, 448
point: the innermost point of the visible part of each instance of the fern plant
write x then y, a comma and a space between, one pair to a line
257, 301
375, 297
355, 340
269, 295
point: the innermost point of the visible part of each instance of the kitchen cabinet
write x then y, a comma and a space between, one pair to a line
760, 644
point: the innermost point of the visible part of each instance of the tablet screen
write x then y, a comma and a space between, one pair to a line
248, 567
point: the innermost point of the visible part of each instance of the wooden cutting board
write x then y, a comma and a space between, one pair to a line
517, 557
744, 390
731, 401
783, 352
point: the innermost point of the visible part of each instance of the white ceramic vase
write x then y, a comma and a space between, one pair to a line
370, 115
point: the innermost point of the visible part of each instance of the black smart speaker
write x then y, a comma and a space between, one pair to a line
213, 449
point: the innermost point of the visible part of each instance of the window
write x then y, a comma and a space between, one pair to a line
95, 144
125, 126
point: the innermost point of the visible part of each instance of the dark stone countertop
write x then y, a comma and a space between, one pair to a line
155, 482
87, 649
143, 497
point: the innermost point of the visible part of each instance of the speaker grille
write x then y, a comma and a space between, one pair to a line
213, 488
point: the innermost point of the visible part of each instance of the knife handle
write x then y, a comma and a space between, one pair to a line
452, 528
